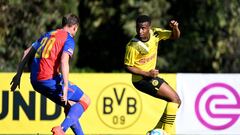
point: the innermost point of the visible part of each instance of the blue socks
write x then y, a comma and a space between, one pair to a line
71, 119
76, 128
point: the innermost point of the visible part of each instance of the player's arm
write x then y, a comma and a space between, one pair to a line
28, 53
129, 60
175, 30
134, 70
68, 49
65, 74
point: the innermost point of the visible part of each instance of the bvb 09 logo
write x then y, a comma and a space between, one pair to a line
119, 105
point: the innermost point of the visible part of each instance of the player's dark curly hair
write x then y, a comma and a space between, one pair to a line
143, 18
70, 19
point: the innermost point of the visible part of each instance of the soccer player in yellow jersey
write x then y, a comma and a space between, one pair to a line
140, 60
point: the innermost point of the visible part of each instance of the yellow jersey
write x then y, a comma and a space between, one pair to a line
143, 55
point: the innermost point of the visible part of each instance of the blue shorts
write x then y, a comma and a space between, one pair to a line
53, 89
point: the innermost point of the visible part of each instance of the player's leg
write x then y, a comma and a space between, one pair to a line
79, 103
73, 112
167, 92
169, 115
158, 87
76, 127
72, 117
149, 86
51, 90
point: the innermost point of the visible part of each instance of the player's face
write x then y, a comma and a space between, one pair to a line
143, 31
74, 30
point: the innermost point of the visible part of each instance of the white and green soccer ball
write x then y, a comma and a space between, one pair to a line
157, 132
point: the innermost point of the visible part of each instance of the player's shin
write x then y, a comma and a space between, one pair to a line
161, 122
73, 115
77, 129
169, 117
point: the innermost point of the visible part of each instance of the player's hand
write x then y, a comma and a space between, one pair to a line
153, 73
173, 24
15, 82
64, 96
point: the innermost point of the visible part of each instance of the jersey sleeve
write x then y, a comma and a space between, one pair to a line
162, 34
130, 55
69, 46
36, 45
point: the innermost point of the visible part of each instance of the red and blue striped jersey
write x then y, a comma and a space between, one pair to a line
49, 49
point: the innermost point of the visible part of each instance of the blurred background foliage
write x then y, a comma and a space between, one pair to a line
209, 43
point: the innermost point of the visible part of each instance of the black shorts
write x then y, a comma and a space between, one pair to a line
149, 85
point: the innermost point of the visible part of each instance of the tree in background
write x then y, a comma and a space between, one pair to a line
209, 42
107, 26
210, 36
22, 22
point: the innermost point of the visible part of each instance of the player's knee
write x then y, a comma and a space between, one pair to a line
85, 101
177, 100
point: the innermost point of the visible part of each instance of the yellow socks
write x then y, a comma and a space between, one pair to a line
170, 115
167, 120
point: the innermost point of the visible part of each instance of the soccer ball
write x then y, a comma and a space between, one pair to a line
157, 132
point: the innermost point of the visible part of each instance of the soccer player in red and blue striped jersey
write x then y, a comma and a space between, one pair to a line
50, 70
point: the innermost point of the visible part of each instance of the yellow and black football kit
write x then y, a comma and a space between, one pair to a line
143, 55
